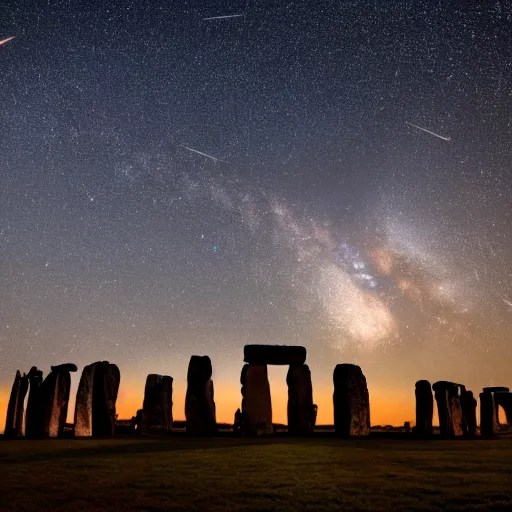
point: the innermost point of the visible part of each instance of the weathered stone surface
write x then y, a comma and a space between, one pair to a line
83, 405
157, 405
275, 354
95, 410
300, 400
34, 417
351, 401
496, 389
54, 396
424, 408
16, 406
449, 408
468, 405
256, 402
199, 400
66, 367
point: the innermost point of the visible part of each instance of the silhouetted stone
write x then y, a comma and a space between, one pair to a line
199, 370
199, 400
449, 408
83, 405
237, 423
504, 399
34, 417
488, 415
66, 367
274, 354
256, 402
495, 389
104, 400
468, 405
351, 401
300, 400
95, 410
16, 406
54, 396
157, 405
490, 400
424, 408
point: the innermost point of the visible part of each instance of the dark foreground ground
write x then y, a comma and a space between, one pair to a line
230, 474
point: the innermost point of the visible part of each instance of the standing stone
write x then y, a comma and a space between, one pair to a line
54, 395
199, 401
468, 405
300, 400
504, 399
83, 405
106, 388
351, 401
449, 408
157, 405
95, 410
16, 406
256, 401
237, 422
34, 417
488, 416
424, 408
490, 401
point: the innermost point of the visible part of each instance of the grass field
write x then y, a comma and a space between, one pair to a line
230, 474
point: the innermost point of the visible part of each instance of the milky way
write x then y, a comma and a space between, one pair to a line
172, 186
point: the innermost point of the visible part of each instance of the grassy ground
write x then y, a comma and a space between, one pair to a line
280, 474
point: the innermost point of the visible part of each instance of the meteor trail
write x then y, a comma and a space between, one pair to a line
428, 131
204, 154
507, 302
224, 17
3, 41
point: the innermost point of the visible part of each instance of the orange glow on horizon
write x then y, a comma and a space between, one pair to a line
388, 407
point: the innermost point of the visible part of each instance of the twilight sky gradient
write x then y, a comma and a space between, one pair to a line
324, 220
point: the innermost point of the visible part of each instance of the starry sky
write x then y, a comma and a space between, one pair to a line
334, 174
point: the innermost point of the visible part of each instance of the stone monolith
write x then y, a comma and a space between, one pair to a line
95, 410
449, 408
468, 405
351, 401
157, 405
256, 418
424, 408
16, 406
300, 400
54, 396
199, 400
34, 417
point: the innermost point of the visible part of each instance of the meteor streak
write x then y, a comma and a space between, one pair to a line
224, 17
203, 154
3, 41
507, 302
428, 131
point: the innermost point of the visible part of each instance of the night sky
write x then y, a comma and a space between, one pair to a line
316, 214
